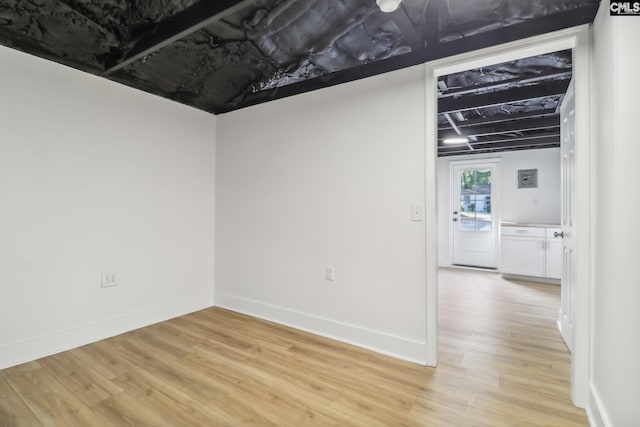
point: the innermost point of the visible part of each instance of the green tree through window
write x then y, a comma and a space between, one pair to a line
475, 200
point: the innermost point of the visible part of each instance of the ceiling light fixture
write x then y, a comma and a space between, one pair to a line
456, 140
388, 5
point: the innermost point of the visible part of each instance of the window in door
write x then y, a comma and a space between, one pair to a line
475, 200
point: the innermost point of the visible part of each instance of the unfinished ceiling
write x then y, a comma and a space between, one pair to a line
223, 55
510, 106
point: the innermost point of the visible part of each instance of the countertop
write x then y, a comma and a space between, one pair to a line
528, 224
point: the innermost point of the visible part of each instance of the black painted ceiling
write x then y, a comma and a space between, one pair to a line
509, 106
222, 55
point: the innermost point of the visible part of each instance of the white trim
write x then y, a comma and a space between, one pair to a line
475, 161
380, 342
592, 412
45, 345
431, 214
576, 38
584, 189
596, 411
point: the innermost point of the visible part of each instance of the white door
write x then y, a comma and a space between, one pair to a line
553, 253
475, 227
567, 150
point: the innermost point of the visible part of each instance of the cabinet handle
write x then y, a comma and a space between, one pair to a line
560, 234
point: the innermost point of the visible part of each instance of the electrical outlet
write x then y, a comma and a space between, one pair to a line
109, 279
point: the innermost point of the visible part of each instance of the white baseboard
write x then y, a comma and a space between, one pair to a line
380, 342
37, 347
596, 411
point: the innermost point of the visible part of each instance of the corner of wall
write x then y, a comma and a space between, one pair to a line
16, 353
215, 174
403, 348
81, 197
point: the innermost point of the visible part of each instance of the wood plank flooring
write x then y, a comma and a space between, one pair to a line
502, 363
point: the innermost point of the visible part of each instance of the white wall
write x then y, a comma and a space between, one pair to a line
94, 177
327, 178
532, 205
615, 376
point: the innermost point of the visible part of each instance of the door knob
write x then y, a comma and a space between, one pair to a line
560, 234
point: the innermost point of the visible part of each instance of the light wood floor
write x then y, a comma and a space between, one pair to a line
502, 363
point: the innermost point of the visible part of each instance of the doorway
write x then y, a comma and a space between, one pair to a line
577, 39
474, 232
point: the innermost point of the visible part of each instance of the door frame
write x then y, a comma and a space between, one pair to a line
578, 39
496, 200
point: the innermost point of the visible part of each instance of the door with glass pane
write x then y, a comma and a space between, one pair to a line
474, 219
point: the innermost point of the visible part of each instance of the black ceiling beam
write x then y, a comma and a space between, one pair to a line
547, 138
497, 149
503, 83
501, 147
411, 35
503, 118
508, 126
432, 22
450, 105
188, 21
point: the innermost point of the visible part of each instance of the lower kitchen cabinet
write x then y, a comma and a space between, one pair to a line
530, 251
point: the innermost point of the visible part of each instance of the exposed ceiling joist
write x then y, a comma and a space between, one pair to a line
505, 106
190, 20
448, 105
507, 126
411, 35
431, 14
495, 144
498, 149
505, 83
503, 118
547, 137
453, 125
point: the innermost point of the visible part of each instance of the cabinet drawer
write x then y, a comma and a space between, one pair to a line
550, 232
523, 231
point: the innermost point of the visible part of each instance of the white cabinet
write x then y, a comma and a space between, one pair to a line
530, 251
522, 251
